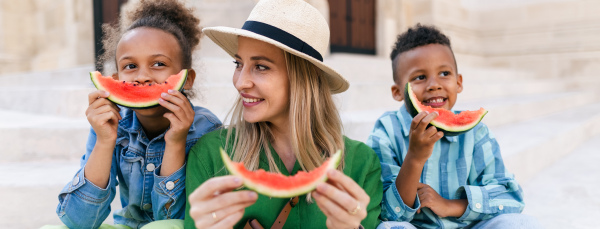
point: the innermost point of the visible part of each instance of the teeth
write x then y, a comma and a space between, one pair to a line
250, 100
438, 100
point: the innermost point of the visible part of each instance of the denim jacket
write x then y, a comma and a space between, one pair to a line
145, 196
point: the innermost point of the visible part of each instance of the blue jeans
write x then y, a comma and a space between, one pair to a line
508, 221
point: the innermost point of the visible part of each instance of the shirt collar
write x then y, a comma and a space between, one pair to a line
406, 119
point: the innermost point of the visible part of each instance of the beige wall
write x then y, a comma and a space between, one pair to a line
45, 34
555, 38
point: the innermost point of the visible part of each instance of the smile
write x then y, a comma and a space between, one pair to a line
435, 102
251, 100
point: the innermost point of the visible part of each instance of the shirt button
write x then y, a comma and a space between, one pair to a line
170, 185
397, 209
500, 207
478, 205
147, 206
150, 167
76, 180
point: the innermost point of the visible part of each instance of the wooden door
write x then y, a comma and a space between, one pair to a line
352, 25
105, 11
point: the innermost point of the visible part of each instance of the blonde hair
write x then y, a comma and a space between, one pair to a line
315, 124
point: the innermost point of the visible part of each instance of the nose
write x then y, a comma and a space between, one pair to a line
242, 79
143, 77
433, 84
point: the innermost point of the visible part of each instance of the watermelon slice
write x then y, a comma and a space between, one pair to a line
132, 95
448, 122
278, 185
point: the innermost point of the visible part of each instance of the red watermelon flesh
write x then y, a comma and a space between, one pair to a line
133, 95
450, 123
279, 185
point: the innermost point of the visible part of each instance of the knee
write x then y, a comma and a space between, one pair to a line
516, 221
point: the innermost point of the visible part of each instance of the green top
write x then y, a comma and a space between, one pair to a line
361, 164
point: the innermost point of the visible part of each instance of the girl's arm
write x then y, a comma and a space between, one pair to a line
82, 204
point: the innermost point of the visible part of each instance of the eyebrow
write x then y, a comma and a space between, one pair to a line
153, 56
256, 58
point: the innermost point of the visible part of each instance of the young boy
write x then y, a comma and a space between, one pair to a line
431, 180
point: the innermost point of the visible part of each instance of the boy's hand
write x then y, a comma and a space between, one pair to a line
439, 205
181, 115
421, 138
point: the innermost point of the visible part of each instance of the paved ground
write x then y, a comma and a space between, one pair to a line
564, 195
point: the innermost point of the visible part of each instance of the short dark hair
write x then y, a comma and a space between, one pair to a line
417, 36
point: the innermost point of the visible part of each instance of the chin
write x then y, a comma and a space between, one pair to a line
155, 111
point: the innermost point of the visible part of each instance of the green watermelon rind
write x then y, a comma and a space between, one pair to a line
122, 102
272, 192
414, 110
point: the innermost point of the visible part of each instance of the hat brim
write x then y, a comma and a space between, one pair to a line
227, 38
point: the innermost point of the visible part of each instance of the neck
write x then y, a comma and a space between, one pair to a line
153, 126
282, 144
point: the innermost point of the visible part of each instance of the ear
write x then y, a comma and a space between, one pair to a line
191, 76
397, 92
459, 82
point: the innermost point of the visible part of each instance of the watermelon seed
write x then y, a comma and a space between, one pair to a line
149, 84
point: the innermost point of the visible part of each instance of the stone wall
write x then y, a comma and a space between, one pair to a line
38, 35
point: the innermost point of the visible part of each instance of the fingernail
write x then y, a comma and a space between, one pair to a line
106, 93
160, 100
171, 91
426, 112
164, 94
331, 173
237, 181
321, 187
315, 194
252, 195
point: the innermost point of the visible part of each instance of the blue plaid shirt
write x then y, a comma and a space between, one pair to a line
468, 166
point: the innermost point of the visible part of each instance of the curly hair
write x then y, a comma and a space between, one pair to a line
417, 36
170, 16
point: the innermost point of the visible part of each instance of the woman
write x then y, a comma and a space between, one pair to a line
284, 121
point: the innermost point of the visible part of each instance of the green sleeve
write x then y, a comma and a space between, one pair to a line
197, 172
373, 187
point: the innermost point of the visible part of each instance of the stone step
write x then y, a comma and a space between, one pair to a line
570, 182
529, 147
31, 137
63, 77
502, 111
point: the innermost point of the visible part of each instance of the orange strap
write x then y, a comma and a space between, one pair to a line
281, 218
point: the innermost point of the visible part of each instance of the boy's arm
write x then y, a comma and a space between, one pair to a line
401, 177
491, 190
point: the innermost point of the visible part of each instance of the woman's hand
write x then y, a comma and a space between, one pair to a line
103, 115
214, 205
342, 201
181, 115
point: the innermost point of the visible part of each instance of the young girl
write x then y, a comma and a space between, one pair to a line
143, 151
284, 121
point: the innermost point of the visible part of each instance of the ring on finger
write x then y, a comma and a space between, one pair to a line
214, 215
355, 210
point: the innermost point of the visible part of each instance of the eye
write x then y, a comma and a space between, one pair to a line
445, 73
129, 66
261, 67
158, 64
420, 77
237, 64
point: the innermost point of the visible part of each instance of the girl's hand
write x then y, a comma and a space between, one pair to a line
342, 201
214, 205
103, 115
421, 138
181, 115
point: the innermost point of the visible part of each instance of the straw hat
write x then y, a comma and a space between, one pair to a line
292, 25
